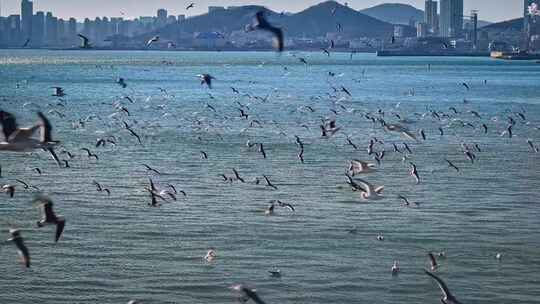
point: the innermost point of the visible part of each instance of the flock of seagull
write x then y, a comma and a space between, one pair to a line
40, 138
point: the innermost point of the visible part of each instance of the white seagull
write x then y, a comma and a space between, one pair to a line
359, 167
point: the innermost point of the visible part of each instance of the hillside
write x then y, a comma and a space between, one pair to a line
396, 13
510, 25
318, 20
315, 21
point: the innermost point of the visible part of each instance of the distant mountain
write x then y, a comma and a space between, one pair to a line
482, 23
225, 20
396, 13
320, 19
315, 21
509, 25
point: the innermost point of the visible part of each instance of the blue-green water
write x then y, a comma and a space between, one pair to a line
116, 248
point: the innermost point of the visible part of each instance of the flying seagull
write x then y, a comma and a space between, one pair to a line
58, 92
247, 293
152, 40
263, 25
206, 79
85, 42
18, 240
49, 217
447, 298
13, 138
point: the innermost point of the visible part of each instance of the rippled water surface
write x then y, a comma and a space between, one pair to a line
116, 248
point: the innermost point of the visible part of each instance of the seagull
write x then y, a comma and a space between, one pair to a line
268, 183
414, 173
206, 79
191, 5
237, 175
26, 43
270, 209
406, 200
451, 165
17, 139
154, 195
422, 133
531, 144
58, 92
121, 82
21, 247
49, 217
508, 131
400, 129
263, 25
133, 133
90, 154
395, 268
447, 298
26, 185
286, 205
210, 255
152, 40
360, 167
301, 155
84, 42
8, 189
344, 90
261, 150
151, 169
329, 129
275, 273
432, 261
371, 192
99, 188
247, 293
326, 51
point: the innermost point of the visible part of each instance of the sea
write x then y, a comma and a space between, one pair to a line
116, 248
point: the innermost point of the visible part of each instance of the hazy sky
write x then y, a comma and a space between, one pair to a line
491, 10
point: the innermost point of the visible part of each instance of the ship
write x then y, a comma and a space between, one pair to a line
521, 55
430, 53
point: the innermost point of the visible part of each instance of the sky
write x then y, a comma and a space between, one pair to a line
489, 10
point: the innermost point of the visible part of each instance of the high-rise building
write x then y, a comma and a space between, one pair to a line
27, 12
531, 26
451, 21
13, 30
526, 17
431, 17
61, 30
72, 31
51, 29
161, 17
421, 29
38, 29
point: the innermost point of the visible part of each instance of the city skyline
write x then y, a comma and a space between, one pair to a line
491, 10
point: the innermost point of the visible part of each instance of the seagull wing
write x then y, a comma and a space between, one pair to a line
8, 125
254, 296
442, 285
59, 229
23, 251
84, 41
45, 128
